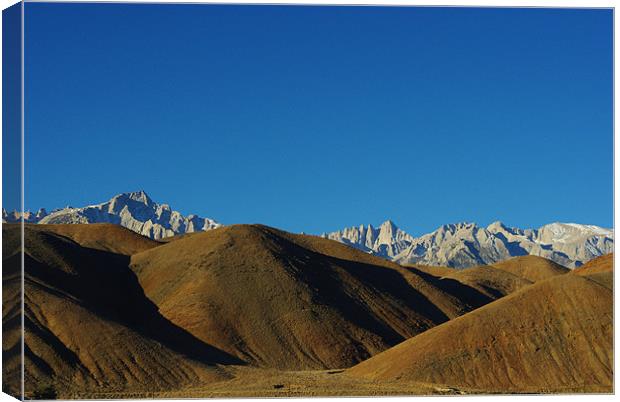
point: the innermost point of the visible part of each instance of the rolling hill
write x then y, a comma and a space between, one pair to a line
279, 300
101, 236
553, 336
500, 279
598, 265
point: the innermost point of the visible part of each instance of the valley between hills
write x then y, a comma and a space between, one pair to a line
250, 310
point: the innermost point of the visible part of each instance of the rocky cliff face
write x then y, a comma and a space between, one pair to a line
386, 241
464, 245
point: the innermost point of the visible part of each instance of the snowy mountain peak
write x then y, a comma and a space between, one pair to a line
137, 196
452, 228
497, 226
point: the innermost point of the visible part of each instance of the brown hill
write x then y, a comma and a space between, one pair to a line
88, 325
102, 236
553, 336
288, 301
531, 267
604, 263
599, 270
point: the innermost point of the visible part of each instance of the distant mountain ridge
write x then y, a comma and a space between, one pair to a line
464, 245
135, 211
459, 245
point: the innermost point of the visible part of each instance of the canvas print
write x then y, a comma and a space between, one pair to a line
207, 201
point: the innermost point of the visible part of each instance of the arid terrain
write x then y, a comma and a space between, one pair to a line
249, 310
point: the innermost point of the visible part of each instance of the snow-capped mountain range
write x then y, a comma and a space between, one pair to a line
465, 245
135, 211
458, 245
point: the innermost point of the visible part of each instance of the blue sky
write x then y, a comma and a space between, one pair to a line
314, 118
11, 107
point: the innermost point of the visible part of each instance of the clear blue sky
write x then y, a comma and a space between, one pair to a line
315, 118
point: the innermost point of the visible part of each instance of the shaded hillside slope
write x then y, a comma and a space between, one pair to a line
435, 282
490, 281
452, 297
434, 270
88, 325
553, 336
505, 277
288, 301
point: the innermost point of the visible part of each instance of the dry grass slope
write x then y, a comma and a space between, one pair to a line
599, 270
287, 301
553, 336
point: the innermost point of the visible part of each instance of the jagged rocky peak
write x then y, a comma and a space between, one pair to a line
388, 225
455, 227
386, 240
139, 196
387, 231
